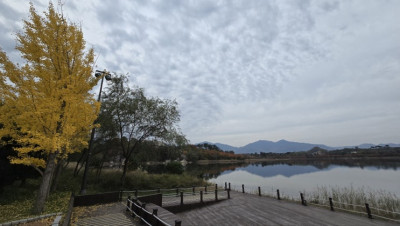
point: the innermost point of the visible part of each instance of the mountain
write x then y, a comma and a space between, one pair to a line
223, 147
363, 146
283, 146
226, 147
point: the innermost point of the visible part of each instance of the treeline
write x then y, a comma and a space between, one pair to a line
108, 153
194, 153
318, 153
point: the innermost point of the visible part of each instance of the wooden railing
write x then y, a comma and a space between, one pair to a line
68, 215
174, 200
177, 197
138, 209
102, 198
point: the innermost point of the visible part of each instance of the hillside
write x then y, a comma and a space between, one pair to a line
283, 146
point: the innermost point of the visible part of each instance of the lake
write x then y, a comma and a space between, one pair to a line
302, 176
291, 178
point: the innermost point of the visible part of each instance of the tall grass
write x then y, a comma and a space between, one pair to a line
142, 180
381, 202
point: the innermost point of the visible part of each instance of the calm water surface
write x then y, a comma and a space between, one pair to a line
292, 178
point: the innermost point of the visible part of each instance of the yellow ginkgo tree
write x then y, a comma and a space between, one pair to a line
45, 102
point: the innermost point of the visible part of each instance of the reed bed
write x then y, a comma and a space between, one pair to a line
381, 202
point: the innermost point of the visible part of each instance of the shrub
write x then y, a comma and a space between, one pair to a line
174, 167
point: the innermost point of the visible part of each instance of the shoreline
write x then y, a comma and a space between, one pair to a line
232, 161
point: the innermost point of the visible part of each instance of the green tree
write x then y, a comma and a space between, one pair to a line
130, 115
47, 107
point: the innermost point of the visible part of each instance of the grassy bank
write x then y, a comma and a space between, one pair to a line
16, 201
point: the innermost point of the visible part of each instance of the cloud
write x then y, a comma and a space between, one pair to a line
248, 70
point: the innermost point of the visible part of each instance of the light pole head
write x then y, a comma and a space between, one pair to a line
106, 74
98, 73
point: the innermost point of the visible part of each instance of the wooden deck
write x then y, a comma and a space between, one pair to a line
108, 214
241, 209
247, 209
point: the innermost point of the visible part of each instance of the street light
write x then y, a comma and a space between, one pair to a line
106, 75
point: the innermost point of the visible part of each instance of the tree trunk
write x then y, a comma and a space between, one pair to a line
103, 159
83, 157
124, 173
44, 189
57, 173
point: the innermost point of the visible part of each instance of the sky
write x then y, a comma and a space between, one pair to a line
322, 72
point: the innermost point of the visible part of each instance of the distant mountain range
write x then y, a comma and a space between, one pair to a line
284, 146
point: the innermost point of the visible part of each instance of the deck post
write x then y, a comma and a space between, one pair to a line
178, 223
331, 204
278, 194
193, 189
242, 188
201, 196
259, 191
229, 193
155, 210
216, 194
181, 198
216, 186
128, 204
229, 185
177, 191
368, 210
303, 201
225, 186
142, 208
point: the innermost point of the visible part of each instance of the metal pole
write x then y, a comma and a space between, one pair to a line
84, 178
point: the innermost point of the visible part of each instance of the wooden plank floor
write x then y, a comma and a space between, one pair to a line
107, 214
247, 209
119, 219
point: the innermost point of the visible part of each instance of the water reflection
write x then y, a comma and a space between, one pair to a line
284, 168
291, 177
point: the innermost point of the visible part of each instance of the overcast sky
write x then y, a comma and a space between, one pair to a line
319, 71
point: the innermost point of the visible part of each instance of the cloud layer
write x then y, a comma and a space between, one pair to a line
312, 71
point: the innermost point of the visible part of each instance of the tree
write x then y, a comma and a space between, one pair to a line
132, 117
47, 108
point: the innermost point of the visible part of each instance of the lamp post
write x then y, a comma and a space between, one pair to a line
107, 75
